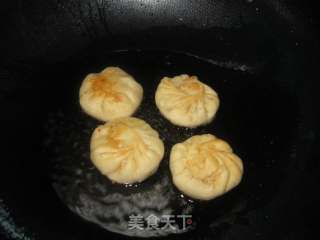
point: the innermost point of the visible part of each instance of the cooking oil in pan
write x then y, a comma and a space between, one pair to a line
252, 102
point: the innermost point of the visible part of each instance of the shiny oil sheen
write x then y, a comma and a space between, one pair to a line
247, 119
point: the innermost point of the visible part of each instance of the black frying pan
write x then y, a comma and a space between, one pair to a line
260, 56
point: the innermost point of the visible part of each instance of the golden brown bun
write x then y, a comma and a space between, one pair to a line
185, 101
126, 150
110, 94
205, 167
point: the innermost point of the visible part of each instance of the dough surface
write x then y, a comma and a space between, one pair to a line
110, 94
126, 150
185, 101
205, 167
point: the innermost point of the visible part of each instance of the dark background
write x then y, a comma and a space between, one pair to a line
37, 35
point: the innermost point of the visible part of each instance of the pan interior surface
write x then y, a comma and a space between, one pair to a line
250, 98
260, 56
